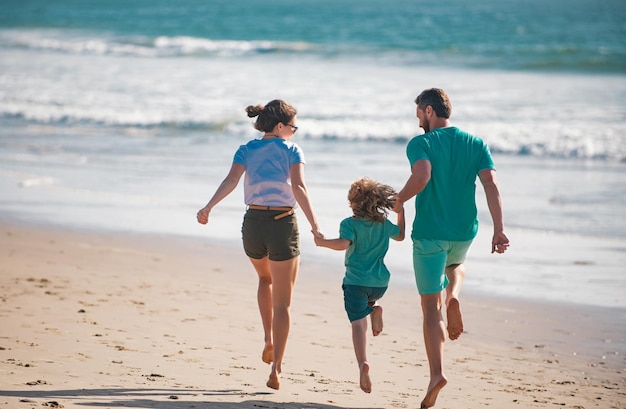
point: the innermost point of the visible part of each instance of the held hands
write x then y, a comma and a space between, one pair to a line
318, 240
317, 234
203, 215
499, 243
398, 206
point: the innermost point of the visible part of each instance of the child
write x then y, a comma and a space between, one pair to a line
365, 237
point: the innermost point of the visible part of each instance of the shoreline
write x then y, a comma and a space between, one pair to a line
136, 320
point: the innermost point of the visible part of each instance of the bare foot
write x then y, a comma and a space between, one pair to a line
377, 320
364, 378
273, 382
268, 354
455, 319
433, 390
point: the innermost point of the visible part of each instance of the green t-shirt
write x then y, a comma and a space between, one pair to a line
446, 208
365, 256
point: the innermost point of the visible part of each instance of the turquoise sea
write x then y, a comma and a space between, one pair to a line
124, 115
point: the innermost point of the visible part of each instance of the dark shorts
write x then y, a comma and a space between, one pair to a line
358, 300
264, 236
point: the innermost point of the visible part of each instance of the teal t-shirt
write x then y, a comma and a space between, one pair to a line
365, 256
446, 208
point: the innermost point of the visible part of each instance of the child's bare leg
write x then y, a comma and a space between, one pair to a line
455, 274
284, 275
377, 319
434, 337
264, 300
359, 340
364, 377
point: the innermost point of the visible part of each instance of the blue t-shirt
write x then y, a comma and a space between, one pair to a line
268, 162
446, 208
364, 258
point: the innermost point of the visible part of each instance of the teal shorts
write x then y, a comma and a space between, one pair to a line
430, 259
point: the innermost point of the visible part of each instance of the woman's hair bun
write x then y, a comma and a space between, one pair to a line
254, 110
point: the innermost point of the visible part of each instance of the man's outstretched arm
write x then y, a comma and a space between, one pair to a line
499, 242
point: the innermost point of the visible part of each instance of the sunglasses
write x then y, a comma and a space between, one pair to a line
293, 127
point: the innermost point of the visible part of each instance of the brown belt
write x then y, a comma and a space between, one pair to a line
287, 211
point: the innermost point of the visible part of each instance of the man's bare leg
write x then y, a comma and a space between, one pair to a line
284, 274
264, 300
455, 274
359, 340
434, 338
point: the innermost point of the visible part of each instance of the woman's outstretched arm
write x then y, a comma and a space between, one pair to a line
228, 185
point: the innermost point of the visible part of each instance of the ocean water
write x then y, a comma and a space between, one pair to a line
125, 116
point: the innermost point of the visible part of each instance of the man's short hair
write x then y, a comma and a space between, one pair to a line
436, 98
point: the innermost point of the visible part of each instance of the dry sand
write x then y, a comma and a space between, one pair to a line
110, 320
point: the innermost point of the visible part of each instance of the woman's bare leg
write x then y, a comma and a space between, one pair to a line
284, 274
264, 299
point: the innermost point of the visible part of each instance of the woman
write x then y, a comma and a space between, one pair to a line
274, 184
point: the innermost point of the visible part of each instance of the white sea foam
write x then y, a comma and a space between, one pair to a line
38, 181
106, 82
82, 42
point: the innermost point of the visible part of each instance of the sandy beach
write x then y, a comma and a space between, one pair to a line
93, 319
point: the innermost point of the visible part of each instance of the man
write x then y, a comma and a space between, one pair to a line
445, 162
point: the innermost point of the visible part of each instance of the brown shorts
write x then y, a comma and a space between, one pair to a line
263, 235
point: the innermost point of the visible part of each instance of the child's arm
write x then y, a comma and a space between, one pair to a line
401, 224
333, 244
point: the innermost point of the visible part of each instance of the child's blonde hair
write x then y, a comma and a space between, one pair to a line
371, 200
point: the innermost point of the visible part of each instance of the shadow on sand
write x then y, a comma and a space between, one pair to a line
157, 398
